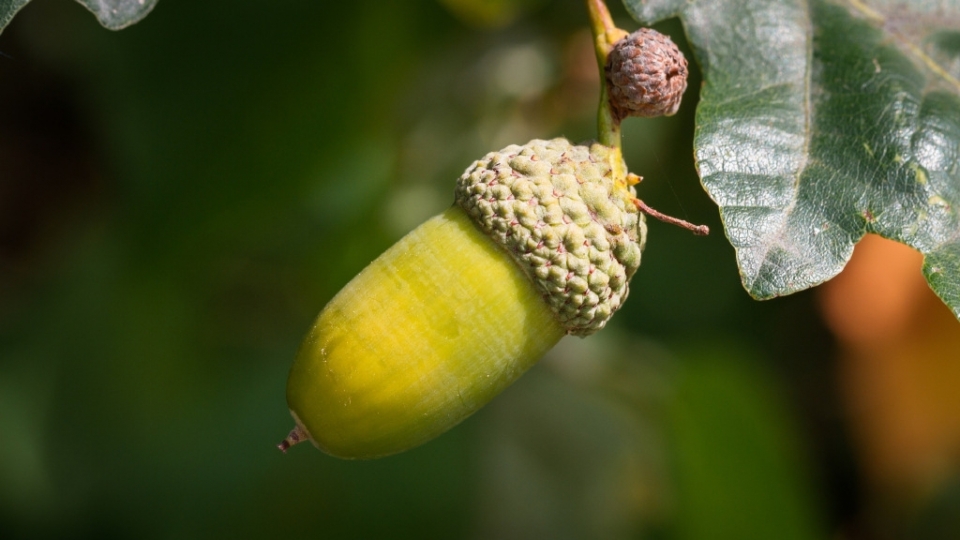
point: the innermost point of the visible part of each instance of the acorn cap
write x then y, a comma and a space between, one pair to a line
646, 75
565, 214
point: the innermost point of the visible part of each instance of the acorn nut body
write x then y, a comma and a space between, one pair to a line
541, 242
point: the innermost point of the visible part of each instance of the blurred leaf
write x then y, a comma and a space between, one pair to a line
821, 121
939, 518
489, 13
574, 449
738, 472
113, 14
25, 392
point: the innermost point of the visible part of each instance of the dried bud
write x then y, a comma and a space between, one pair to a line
646, 75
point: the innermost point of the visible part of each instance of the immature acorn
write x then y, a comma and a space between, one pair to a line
646, 75
541, 242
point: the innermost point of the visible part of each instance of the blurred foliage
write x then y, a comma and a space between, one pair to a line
178, 201
489, 13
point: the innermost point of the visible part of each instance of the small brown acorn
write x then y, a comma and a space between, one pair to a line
646, 75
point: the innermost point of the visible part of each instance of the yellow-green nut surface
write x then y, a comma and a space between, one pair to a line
541, 242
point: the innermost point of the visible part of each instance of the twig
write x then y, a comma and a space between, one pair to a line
699, 230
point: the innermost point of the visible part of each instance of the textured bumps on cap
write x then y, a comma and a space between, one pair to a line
646, 75
565, 214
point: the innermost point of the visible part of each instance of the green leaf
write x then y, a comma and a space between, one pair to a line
113, 14
820, 121
9, 8
118, 14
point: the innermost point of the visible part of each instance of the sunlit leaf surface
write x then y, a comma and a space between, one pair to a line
113, 14
9, 8
821, 121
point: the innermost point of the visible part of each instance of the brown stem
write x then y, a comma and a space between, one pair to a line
699, 230
296, 436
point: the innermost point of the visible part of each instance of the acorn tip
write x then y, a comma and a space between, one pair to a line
296, 436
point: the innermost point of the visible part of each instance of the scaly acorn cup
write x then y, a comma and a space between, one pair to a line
646, 75
541, 242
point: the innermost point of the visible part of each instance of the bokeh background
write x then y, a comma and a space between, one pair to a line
179, 199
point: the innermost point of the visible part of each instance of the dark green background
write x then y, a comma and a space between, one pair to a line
179, 199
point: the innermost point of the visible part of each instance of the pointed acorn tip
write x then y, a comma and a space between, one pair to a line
296, 436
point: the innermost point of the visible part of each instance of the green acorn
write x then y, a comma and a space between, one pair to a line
541, 242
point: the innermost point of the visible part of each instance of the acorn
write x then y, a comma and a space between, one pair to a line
646, 75
541, 242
